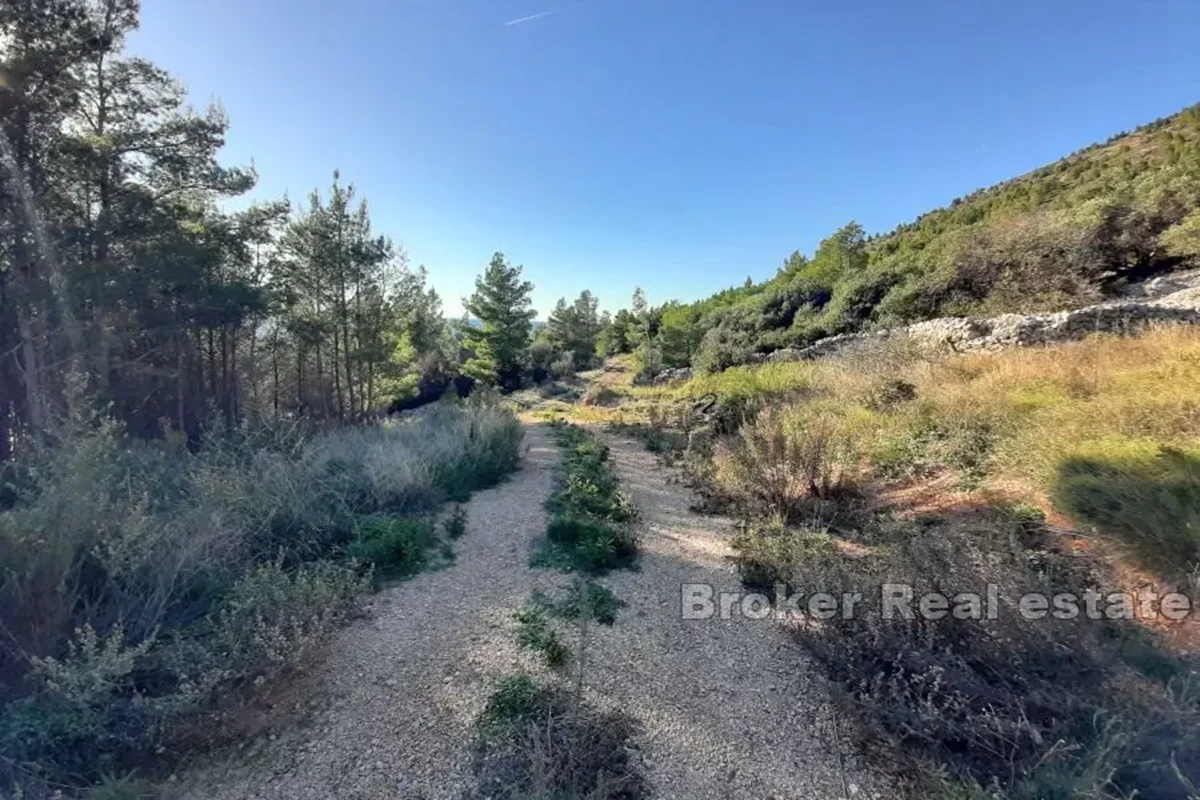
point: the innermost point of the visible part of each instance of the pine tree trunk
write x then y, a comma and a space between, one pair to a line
337, 371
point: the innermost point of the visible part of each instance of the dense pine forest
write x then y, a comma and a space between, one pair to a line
126, 280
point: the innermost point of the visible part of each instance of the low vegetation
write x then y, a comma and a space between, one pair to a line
540, 743
1010, 707
544, 740
164, 559
590, 526
902, 465
586, 599
146, 588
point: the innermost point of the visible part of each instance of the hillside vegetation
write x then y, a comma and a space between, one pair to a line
146, 590
897, 464
1063, 235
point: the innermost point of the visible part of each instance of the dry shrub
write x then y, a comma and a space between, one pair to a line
543, 743
1029, 709
769, 552
142, 585
789, 457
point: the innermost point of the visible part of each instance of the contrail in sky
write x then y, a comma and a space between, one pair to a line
551, 12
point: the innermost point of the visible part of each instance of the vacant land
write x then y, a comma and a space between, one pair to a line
1060, 471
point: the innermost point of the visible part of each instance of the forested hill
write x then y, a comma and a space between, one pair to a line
1063, 235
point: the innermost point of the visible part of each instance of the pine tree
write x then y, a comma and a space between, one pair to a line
574, 328
502, 305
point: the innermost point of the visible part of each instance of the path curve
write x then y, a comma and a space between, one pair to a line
399, 692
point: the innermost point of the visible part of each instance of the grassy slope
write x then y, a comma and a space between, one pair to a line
1046, 424
928, 471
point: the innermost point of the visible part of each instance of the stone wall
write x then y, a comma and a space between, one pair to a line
1181, 305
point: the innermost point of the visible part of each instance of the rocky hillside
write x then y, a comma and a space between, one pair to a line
1171, 299
1075, 233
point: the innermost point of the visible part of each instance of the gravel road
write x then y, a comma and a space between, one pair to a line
727, 709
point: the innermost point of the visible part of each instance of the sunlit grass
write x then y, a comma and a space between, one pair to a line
1045, 419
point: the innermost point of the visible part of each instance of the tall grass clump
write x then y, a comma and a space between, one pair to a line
145, 587
446, 451
790, 459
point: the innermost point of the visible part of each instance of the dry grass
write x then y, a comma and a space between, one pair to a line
1106, 430
1061, 422
1009, 708
790, 456
1047, 402
143, 585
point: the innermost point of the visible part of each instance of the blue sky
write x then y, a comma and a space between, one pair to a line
679, 145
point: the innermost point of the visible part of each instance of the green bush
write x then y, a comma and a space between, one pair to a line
586, 599
272, 618
589, 545
397, 546
515, 698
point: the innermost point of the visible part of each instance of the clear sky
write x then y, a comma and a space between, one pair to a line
679, 145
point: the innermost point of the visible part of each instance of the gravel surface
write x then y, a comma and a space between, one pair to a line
398, 693
726, 709
729, 709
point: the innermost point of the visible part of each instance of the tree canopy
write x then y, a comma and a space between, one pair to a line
502, 305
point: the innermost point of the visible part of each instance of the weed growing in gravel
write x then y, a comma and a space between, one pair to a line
584, 599
455, 525
534, 632
514, 698
590, 528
